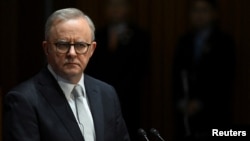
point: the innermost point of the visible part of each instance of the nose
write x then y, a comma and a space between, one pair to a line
72, 51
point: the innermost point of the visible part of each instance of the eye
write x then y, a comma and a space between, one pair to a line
81, 45
62, 45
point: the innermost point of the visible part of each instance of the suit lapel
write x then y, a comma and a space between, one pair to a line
95, 102
55, 97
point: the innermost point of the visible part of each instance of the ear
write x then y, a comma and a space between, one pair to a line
45, 47
92, 48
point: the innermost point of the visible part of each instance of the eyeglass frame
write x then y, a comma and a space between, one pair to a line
69, 45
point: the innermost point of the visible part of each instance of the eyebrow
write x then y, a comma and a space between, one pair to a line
65, 40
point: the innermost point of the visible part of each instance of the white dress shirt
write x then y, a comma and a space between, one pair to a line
67, 88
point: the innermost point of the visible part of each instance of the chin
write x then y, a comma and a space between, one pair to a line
72, 72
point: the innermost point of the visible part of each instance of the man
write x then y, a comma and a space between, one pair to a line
203, 74
61, 103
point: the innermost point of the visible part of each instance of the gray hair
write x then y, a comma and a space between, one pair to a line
67, 14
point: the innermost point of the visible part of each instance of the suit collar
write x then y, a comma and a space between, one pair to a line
55, 97
95, 101
65, 85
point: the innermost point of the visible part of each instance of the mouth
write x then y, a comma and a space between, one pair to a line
71, 64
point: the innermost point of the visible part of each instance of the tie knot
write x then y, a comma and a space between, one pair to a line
77, 91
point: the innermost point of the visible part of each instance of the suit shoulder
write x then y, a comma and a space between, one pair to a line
24, 88
98, 82
107, 91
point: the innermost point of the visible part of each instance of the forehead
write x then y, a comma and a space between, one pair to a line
73, 28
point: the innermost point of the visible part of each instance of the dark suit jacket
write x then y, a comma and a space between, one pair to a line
37, 110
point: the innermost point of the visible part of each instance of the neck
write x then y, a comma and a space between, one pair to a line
73, 79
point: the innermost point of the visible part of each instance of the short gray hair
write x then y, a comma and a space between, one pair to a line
67, 14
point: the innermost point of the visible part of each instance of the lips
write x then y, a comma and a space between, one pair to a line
71, 64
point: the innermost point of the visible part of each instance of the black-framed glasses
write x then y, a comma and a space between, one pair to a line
80, 47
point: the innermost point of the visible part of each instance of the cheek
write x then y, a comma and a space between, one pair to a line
56, 60
83, 59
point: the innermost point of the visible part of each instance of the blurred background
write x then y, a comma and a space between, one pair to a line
155, 27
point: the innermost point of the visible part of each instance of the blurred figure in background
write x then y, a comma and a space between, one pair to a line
122, 60
203, 75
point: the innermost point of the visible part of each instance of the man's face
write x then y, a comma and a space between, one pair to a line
202, 14
70, 64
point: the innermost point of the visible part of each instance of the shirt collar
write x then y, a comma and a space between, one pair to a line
65, 85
